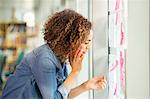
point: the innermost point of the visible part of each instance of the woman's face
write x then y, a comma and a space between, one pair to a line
83, 47
86, 45
88, 41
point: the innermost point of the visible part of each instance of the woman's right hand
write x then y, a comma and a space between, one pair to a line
98, 82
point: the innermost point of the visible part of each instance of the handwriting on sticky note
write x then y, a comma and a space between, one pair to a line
115, 90
122, 34
114, 66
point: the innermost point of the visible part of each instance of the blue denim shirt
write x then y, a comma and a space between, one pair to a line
40, 75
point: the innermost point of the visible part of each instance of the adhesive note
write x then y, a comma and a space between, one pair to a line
112, 5
112, 31
118, 42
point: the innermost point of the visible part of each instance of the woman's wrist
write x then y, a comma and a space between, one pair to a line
85, 85
76, 72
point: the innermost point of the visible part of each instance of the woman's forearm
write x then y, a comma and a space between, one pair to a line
71, 79
69, 82
77, 91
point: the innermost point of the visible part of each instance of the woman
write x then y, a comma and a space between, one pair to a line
42, 74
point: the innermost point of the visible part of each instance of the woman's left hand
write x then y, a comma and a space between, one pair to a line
96, 83
78, 58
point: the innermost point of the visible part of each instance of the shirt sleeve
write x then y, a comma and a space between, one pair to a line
45, 76
64, 91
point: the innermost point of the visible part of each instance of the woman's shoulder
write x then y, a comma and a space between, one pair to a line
38, 53
44, 52
40, 49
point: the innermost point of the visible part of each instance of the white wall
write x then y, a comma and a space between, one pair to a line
100, 44
137, 68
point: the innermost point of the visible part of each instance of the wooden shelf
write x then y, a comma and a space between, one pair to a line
12, 22
13, 47
2, 34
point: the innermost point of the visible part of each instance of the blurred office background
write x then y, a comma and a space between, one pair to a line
21, 24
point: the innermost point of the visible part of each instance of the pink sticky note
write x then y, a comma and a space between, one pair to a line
115, 91
122, 77
122, 35
114, 66
117, 4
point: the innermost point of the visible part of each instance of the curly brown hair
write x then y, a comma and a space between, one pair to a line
65, 31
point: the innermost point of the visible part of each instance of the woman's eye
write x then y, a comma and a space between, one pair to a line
87, 42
